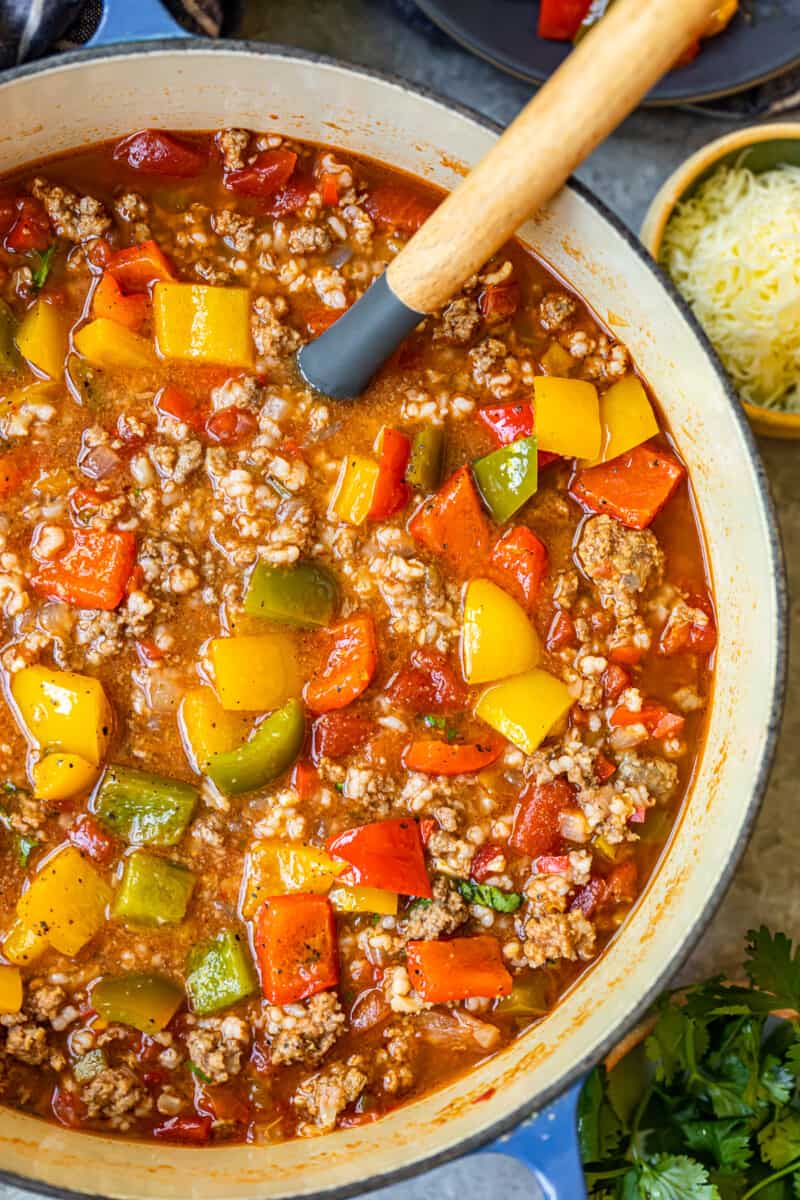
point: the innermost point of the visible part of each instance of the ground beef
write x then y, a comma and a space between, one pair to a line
324, 1096
555, 309
45, 1002
115, 1095
446, 912
458, 322
216, 1047
232, 145
450, 854
238, 231
394, 1061
304, 1032
272, 338
619, 559
73, 217
558, 935
656, 774
28, 1044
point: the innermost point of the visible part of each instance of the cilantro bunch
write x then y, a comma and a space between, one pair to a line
708, 1107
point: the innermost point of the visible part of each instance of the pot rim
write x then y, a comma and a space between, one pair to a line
507, 1123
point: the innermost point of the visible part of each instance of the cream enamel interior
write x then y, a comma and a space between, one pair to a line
67, 105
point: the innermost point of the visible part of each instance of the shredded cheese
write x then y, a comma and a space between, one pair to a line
733, 250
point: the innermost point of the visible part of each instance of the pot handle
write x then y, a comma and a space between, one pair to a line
547, 1144
143, 20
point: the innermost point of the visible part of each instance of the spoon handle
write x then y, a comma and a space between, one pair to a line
598, 85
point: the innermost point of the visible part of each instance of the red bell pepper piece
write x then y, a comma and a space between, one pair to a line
383, 854
656, 718
499, 301
519, 563
92, 571
264, 176
186, 1129
89, 836
507, 422
537, 827
561, 631
632, 488
452, 524
462, 969
295, 944
230, 425
31, 227
348, 666
109, 300
305, 780
434, 757
177, 404
395, 206
560, 20
485, 855
137, 267
154, 152
391, 490
686, 637
428, 684
335, 734
615, 679
291, 197
10, 475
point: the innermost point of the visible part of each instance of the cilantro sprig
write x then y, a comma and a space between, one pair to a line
708, 1107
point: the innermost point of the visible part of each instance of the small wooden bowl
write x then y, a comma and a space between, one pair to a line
760, 148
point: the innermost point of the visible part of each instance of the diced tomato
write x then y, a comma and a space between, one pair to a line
348, 665
428, 684
551, 864
433, 757
383, 854
629, 655
230, 425
499, 301
329, 188
92, 570
615, 679
589, 898
507, 422
452, 524
295, 944
462, 969
31, 228
291, 197
138, 267
632, 488
537, 828
391, 490
320, 319
305, 780
623, 882
88, 836
154, 152
560, 20
561, 631
99, 253
264, 176
519, 563
188, 1130
656, 718
335, 734
485, 856
177, 404
604, 768
67, 1108
696, 635
427, 826
10, 475
395, 206
109, 300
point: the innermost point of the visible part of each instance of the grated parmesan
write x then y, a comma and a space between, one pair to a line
733, 250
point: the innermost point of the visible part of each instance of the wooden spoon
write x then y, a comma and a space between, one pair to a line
600, 83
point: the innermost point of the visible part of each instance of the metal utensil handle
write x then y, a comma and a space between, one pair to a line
547, 1144
143, 20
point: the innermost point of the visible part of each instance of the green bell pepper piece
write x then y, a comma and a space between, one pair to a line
270, 751
146, 1002
10, 359
424, 470
144, 809
304, 594
153, 891
508, 477
220, 973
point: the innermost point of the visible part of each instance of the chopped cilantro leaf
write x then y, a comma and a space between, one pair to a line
339, 787
433, 722
41, 271
488, 896
201, 1075
25, 848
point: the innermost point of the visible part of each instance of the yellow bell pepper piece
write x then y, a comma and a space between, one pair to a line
62, 710
497, 639
207, 728
42, 338
10, 989
106, 343
255, 674
204, 324
524, 709
363, 900
66, 901
355, 487
627, 418
23, 945
59, 776
567, 416
275, 867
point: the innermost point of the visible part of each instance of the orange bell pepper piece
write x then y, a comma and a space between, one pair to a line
633, 488
452, 758
519, 563
462, 969
92, 571
295, 944
383, 854
137, 267
348, 667
452, 524
110, 301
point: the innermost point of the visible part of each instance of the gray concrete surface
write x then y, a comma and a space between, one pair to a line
625, 172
